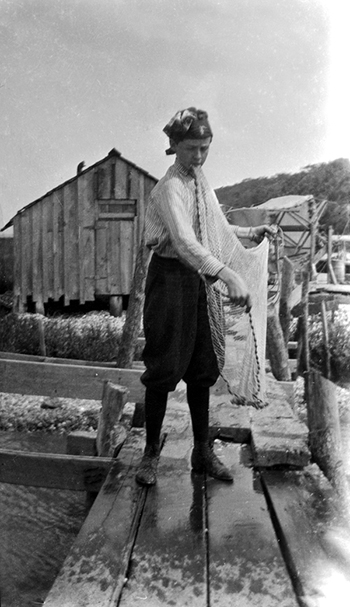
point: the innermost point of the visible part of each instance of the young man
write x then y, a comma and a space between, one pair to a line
181, 304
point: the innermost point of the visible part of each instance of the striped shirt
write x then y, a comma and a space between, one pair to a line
172, 223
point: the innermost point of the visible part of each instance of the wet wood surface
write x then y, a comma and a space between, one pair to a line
246, 566
169, 560
309, 527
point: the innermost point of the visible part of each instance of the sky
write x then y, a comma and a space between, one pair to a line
80, 77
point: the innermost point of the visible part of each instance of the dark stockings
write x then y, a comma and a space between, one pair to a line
155, 407
198, 402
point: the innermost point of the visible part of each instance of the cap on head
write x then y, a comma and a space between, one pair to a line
188, 124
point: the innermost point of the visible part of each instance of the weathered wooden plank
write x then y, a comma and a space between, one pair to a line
51, 470
113, 258
30, 254
140, 212
101, 269
113, 400
103, 182
81, 442
133, 176
86, 198
169, 560
126, 256
47, 247
71, 240
278, 436
58, 244
231, 422
325, 434
17, 262
37, 255
57, 361
121, 187
89, 263
87, 212
94, 572
26, 257
246, 567
307, 526
68, 381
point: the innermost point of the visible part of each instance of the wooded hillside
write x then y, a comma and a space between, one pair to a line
328, 180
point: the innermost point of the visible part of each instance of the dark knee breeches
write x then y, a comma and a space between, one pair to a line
178, 339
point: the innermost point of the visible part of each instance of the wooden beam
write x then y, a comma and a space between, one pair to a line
56, 471
56, 361
65, 380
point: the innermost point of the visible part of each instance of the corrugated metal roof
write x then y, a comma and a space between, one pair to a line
284, 202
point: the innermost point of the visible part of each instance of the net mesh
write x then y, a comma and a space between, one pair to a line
217, 235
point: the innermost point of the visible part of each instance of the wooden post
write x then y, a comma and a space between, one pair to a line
305, 351
42, 344
331, 276
115, 305
113, 401
325, 340
277, 350
287, 284
324, 434
313, 229
132, 325
39, 307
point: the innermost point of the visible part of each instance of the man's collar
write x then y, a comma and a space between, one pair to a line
183, 170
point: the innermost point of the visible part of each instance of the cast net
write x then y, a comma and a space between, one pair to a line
216, 234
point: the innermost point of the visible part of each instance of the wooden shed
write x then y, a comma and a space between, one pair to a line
79, 241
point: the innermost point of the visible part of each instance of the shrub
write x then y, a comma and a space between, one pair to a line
339, 344
94, 336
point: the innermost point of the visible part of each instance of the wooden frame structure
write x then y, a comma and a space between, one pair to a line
79, 241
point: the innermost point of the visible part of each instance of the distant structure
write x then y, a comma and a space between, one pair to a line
295, 215
79, 241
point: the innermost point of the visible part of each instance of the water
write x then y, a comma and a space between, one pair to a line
37, 528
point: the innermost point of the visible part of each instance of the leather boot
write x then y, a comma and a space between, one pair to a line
147, 471
203, 459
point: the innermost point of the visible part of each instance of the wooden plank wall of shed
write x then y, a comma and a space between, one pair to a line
114, 239
62, 249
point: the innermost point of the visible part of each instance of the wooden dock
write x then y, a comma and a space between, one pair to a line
272, 538
267, 540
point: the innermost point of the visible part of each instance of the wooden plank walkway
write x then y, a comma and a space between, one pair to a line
265, 540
